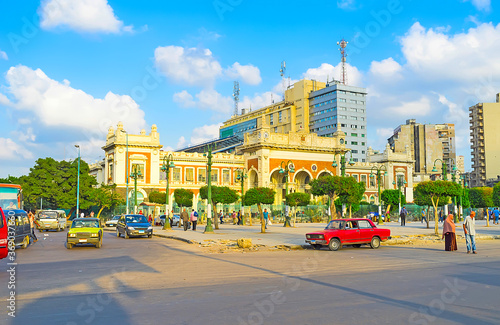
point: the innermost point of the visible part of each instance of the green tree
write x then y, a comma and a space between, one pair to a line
345, 188
105, 197
391, 198
434, 192
219, 194
56, 183
259, 196
481, 198
495, 197
183, 197
157, 197
297, 199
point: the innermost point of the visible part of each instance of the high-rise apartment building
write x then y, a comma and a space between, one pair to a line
428, 143
338, 105
485, 142
314, 106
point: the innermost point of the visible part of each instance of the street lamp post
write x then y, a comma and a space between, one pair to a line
126, 166
342, 167
168, 162
400, 182
78, 184
242, 175
135, 175
378, 174
444, 168
286, 170
208, 228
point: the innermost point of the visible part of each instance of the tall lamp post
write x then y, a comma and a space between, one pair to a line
135, 175
208, 228
126, 166
242, 175
378, 175
286, 170
78, 185
168, 162
400, 182
463, 185
342, 167
444, 168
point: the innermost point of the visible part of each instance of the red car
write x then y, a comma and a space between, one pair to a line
4, 250
354, 232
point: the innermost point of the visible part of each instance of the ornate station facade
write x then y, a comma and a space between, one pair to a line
261, 157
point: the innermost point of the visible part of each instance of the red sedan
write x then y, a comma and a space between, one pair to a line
354, 232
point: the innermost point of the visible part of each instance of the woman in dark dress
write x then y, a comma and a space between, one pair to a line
450, 240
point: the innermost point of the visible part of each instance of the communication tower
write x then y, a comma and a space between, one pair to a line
282, 73
236, 96
343, 74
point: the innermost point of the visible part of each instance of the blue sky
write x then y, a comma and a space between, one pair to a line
69, 69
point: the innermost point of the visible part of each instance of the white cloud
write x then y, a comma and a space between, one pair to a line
247, 73
3, 55
260, 100
205, 133
387, 68
57, 113
346, 4
191, 66
184, 99
421, 107
211, 99
483, 5
92, 16
9, 150
181, 143
327, 71
437, 56
206, 99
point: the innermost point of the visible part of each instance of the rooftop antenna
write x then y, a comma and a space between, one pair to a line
343, 55
282, 73
236, 96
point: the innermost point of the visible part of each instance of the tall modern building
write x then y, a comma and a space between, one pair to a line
340, 106
429, 144
485, 142
314, 106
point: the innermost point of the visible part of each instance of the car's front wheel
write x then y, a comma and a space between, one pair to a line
99, 243
334, 244
117, 232
69, 246
375, 243
125, 234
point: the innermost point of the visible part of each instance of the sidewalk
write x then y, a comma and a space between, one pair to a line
277, 235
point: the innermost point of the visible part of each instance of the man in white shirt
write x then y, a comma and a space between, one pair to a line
470, 233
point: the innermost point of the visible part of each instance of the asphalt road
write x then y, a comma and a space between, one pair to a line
163, 281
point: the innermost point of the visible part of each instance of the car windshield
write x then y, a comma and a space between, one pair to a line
335, 224
85, 224
136, 219
48, 215
116, 218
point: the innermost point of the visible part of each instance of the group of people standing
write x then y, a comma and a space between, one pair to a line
237, 217
187, 219
449, 233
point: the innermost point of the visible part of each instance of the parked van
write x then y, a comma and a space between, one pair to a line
4, 230
23, 232
51, 219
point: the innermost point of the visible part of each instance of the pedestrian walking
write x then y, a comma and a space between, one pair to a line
185, 219
423, 216
402, 215
450, 239
239, 217
470, 232
440, 216
496, 213
150, 219
194, 219
221, 217
266, 217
